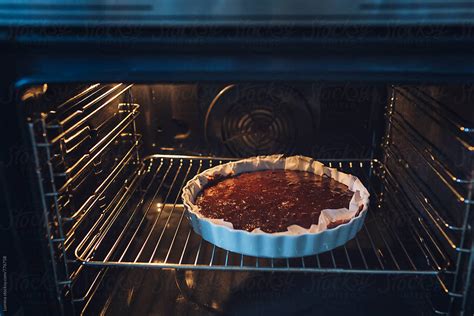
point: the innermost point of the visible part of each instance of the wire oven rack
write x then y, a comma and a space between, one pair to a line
150, 229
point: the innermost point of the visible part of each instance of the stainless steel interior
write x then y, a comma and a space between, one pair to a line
111, 191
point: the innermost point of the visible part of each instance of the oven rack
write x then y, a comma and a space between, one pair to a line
151, 230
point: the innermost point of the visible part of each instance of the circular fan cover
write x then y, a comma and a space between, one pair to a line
250, 120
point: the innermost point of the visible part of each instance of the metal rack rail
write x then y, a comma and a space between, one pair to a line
151, 231
427, 154
86, 149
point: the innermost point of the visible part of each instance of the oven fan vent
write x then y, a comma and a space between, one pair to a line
259, 120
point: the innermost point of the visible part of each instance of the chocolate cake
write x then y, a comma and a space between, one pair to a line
272, 200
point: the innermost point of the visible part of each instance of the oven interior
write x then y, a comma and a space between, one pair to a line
110, 161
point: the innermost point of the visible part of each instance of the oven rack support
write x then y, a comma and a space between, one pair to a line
460, 186
55, 238
67, 149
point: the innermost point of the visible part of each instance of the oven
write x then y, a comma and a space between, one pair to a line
107, 116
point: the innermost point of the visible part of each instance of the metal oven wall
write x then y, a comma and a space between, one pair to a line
325, 120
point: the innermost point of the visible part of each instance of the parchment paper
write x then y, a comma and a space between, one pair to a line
358, 203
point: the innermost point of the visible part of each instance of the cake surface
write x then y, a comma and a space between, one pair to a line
272, 200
